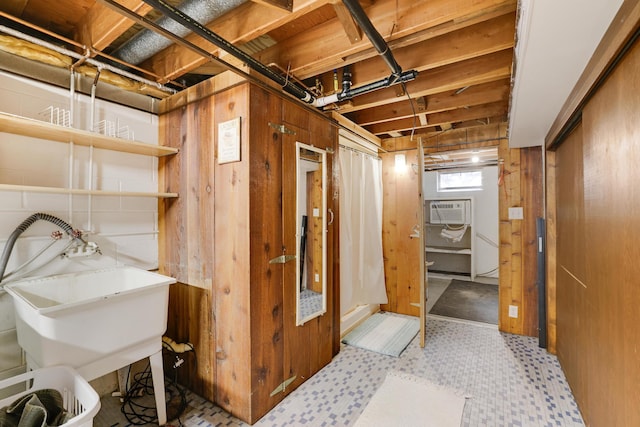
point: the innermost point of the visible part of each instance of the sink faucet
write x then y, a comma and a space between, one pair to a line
6, 253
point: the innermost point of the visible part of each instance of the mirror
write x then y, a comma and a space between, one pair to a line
311, 226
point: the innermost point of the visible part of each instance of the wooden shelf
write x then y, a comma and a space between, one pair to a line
58, 190
38, 129
449, 251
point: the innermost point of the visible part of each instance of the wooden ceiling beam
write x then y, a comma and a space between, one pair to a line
437, 141
350, 27
14, 7
480, 39
282, 4
240, 25
100, 26
487, 68
393, 20
436, 31
438, 119
474, 95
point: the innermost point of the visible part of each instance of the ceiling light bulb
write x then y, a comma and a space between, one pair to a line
475, 159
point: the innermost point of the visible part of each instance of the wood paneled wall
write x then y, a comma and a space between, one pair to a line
218, 239
597, 235
520, 185
401, 253
310, 346
186, 243
570, 263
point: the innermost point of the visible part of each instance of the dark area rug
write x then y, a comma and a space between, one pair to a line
470, 301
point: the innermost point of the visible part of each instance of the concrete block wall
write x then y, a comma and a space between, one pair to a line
124, 227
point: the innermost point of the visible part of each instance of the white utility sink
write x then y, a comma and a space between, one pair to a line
95, 321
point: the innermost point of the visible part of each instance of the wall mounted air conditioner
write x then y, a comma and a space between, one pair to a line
450, 212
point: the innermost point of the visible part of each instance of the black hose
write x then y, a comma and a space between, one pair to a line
6, 253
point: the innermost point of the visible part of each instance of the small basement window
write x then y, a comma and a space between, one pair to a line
467, 180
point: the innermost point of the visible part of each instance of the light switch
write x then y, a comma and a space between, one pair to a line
316, 212
516, 213
317, 277
513, 311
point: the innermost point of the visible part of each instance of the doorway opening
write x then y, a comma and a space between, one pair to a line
460, 191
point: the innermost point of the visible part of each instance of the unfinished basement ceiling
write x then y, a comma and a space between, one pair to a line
462, 50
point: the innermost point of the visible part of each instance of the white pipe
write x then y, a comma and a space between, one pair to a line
92, 114
72, 88
72, 92
75, 55
326, 100
89, 198
93, 105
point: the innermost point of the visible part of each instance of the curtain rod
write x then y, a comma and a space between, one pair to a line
375, 156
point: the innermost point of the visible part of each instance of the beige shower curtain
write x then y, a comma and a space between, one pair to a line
361, 262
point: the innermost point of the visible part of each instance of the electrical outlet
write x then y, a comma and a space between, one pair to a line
317, 277
513, 311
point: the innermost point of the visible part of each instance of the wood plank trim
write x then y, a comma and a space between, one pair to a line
38, 129
551, 249
80, 191
350, 126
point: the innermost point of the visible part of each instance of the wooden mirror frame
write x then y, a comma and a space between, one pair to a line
312, 240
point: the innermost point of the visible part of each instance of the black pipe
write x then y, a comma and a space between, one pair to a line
346, 78
193, 25
349, 93
374, 36
404, 76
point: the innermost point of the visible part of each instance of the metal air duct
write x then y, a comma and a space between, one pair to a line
147, 43
193, 25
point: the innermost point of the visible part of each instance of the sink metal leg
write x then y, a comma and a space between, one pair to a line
157, 373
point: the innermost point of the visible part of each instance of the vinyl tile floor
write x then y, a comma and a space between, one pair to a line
507, 379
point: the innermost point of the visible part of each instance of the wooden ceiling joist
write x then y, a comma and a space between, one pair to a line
438, 141
471, 42
281, 4
437, 119
487, 68
15, 7
393, 19
100, 26
475, 95
351, 29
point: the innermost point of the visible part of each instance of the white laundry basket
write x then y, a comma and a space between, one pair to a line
78, 397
